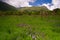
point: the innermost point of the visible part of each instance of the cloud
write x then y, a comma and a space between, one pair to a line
19, 3
49, 6
56, 4
25, 3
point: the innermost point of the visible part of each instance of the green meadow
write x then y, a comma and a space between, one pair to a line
30, 27
29, 23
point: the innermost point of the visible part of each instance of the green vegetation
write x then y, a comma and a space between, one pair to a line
33, 23
25, 27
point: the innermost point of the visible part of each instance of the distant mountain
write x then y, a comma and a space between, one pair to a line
34, 8
5, 7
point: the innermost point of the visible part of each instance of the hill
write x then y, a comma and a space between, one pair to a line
5, 7
34, 8
10, 10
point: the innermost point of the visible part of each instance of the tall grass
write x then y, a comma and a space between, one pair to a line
27, 27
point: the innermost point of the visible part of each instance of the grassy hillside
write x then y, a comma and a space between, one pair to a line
34, 8
29, 27
29, 23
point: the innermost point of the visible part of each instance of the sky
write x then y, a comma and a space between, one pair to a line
50, 4
40, 2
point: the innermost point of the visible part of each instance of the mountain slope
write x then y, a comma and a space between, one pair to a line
34, 8
5, 7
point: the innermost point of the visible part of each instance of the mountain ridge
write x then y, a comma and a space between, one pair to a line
5, 7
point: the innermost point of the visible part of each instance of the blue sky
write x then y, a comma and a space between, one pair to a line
40, 2
35, 3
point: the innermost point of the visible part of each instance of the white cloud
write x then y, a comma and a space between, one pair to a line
47, 5
56, 4
19, 3
25, 3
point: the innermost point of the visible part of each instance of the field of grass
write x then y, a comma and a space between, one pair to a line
26, 27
